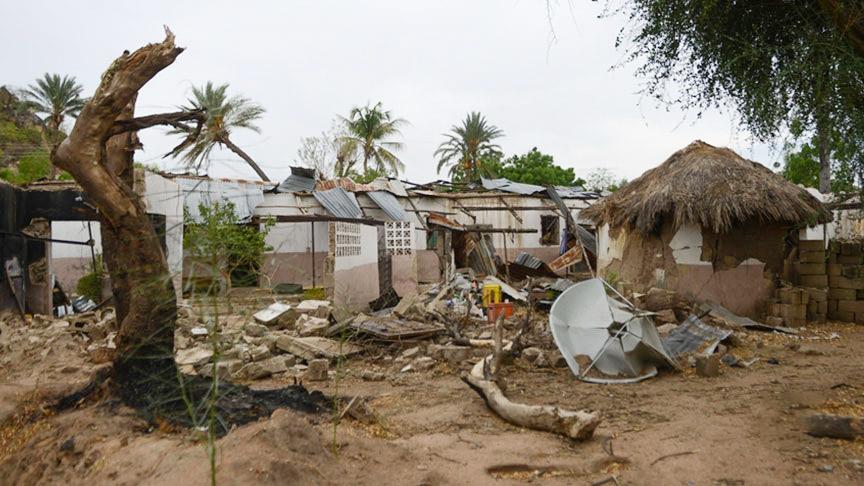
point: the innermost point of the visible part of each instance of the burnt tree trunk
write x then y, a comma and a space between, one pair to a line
98, 155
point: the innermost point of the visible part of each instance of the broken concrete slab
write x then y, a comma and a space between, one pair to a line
253, 371
309, 348
194, 356
272, 313
314, 308
307, 325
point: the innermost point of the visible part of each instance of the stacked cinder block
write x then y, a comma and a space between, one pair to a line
810, 266
846, 281
791, 306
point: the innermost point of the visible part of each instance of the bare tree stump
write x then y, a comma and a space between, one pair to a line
577, 425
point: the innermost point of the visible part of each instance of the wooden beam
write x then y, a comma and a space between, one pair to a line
474, 229
306, 218
512, 212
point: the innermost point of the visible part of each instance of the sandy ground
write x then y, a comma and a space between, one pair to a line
743, 427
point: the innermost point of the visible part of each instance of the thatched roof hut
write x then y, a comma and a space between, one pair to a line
710, 186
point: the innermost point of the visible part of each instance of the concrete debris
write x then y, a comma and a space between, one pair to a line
423, 363
369, 375
317, 370
194, 356
272, 313
255, 330
708, 366
253, 371
307, 325
314, 308
309, 348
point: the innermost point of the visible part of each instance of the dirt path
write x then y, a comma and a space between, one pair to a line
743, 427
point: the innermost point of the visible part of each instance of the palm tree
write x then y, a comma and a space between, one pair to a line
224, 114
467, 147
367, 128
57, 97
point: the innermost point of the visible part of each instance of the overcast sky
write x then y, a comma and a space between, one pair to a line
429, 62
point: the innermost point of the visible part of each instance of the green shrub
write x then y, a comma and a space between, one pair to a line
90, 285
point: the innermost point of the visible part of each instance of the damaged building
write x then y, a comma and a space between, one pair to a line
706, 223
356, 241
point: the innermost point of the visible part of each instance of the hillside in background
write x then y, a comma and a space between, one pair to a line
24, 152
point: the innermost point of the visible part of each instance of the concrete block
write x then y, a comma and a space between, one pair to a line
811, 245
834, 269
850, 248
832, 305
851, 306
814, 280
812, 257
817, 295
789, 295
810, 268
793, 311
849, 259
822, 307
843, 294
852, 271
845, 283
859, 317
842, 316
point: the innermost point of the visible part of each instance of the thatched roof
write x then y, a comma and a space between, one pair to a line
710, 186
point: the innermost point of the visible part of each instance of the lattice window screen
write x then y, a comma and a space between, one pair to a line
347, 239
399, 236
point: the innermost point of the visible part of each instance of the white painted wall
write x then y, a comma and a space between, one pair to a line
164, 196
74, 231
608, 248
686, 245
368, 250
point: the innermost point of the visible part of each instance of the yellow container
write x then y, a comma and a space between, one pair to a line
491, 294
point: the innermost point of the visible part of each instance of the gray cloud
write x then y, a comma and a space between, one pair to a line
429, 62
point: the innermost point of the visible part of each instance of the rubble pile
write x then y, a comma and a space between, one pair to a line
281, 339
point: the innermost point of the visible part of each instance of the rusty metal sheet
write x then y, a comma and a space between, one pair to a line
571, 256
443, 221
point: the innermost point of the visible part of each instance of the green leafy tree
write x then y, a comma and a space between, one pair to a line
537, 168
56, 97
772, 61
469, 150
219, 243
224, 115
368, 130
801, 164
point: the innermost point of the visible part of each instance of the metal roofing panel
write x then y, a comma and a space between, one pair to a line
389, 204
339, 203
576, 192
529, 260
245, 196
300, 180
510, 186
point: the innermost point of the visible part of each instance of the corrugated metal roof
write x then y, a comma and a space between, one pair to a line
246, 196
529, 260
389, 204
576, 192
300, 180
339, 203
507, 185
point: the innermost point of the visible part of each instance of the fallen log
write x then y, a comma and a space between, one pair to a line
577, 425
835, 426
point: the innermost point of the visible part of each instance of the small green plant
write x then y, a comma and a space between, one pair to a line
223, 246
90, 285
